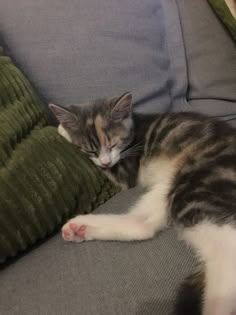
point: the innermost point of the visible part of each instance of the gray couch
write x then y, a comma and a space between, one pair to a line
172, 55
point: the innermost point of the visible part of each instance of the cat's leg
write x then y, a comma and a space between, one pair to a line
216, 247
148, 216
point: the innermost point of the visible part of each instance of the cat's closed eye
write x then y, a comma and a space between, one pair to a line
113, 145
90, 152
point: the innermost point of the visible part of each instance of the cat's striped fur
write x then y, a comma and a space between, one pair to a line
188, 163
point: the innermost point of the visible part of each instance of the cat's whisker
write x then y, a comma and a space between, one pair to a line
133, 148
130, 152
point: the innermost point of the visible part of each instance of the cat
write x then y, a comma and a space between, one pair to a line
187, 162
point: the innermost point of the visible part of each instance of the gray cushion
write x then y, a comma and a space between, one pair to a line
89, 49
97, 278
210, 53
215, 107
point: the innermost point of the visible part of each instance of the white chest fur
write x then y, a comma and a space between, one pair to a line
64, 133
157, 171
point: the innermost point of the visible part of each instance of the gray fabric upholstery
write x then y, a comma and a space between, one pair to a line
97, 278
166, 52
89, 49
210, 53
214, 107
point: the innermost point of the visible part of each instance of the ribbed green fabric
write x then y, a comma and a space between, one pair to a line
224, 13
44, 180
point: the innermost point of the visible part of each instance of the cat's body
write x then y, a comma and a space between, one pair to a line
187, 162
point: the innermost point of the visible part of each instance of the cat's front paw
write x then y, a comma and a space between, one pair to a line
74, 231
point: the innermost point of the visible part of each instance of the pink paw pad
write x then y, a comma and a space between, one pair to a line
81, 231
66, 233
73, 227
78, 230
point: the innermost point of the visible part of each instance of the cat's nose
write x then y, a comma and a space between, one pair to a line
106, 164
105, 161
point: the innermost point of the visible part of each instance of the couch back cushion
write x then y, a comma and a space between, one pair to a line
165, 52
210, 52
87, 49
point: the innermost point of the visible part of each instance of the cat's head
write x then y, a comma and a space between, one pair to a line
102, 129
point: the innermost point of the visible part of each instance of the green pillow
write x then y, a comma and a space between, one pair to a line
224, 13
44, 180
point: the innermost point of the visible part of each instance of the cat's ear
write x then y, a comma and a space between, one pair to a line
123, 107
67, 119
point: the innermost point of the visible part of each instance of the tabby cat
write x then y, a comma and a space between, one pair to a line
187, 161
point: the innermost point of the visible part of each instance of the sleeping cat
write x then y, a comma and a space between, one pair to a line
187, 161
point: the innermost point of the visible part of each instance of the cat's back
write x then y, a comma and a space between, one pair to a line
173, 133
184, 145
